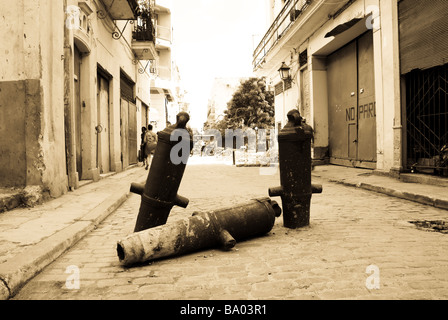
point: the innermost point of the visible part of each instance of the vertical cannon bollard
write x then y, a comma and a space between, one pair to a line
159, 194
294, 143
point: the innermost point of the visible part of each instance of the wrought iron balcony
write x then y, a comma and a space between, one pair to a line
143, 39
290, 12
144, 30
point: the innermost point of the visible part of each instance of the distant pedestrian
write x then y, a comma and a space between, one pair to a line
202, 147
150, 141
141, 156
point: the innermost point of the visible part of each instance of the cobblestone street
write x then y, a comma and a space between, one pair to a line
359, 245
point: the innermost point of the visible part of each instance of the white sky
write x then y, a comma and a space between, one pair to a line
214, 38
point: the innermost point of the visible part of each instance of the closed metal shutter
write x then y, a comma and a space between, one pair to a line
423, 26
127, 88
128, 121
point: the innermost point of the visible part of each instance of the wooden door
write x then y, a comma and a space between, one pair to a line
342, 93
124, 131
351, 96
78, 109
132, 133
366, 100
103, 127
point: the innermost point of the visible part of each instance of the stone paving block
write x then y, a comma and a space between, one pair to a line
350, 229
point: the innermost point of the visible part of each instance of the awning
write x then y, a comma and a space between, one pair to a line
342, 27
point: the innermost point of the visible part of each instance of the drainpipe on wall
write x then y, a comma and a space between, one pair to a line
70, 149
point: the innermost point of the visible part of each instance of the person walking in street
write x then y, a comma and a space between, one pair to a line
202, 147
150, 142
141, 157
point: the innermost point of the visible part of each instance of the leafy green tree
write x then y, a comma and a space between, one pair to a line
251, 106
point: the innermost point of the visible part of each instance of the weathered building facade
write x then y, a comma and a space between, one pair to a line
220, 94
166, 88
353, 76
72, 99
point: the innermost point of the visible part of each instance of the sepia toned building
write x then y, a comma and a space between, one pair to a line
74, 91
220, 94
166, 89
369, 75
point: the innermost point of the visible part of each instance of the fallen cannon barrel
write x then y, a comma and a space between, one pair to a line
222, 227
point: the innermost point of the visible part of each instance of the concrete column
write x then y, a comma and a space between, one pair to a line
392, 126
319, 107
69, 113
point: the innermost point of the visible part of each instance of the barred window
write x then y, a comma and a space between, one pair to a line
288, 84
279, 86
303, 58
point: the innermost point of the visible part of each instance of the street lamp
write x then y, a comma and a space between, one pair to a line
284, 72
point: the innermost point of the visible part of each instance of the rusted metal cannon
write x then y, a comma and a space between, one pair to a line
159, 194
294, 143
222, 227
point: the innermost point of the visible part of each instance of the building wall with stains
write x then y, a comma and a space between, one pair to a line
31, 95
46, 141
319, 31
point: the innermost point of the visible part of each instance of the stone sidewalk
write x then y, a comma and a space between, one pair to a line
420, 188
31, 238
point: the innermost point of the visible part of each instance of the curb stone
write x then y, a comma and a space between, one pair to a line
438, 203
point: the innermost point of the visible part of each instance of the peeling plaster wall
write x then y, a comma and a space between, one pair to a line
12, 134
31, 98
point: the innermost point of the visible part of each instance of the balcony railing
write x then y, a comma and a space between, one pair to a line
144, 30
284, 20
143, 38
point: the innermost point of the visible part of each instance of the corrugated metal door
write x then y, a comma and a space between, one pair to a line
423, 29
351, 95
